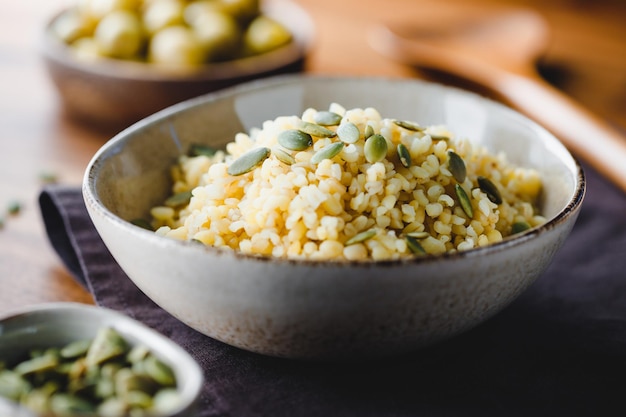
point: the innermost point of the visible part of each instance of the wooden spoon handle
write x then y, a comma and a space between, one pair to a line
586, 135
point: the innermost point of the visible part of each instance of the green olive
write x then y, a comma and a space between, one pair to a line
265, 34
98, 9
162, 13
72, 25
218, 33
119, 34
177, 46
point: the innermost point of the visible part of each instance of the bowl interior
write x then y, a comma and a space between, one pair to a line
130, 174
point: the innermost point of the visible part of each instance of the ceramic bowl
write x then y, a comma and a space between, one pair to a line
58, 324
313, 309
115, 93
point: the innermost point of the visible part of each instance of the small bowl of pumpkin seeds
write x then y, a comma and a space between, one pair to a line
114, 62
70, 359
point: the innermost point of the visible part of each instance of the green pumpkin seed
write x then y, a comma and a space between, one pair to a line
418, 235
489, 188
327, 152
107, 344
369, 131
248, 161
283, 156
75, 349
165, 401
412, 126
295, 140
37, 364
197, 149
435, 136
179, 199
316, 130
159, 371
327, 118
143, 223
519, 227
12, 385
139, 399
361, 237
348, 132
404, 155
414, 246
456, 165
464, 200
67, 404
375, 148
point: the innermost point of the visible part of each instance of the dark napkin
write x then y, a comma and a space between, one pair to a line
558, 350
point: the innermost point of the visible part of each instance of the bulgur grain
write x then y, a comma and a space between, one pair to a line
420, 191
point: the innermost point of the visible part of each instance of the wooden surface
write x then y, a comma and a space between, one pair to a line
586, 59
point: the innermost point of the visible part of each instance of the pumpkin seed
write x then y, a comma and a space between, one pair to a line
464, 200
519, 227
414, 246
283, 156
316, 130
143, 223
75, 349
412, 126
418, 235
42, 363
14, 207
361, 237
197, 149
327, 118
165, 401
66, 404
375, 148
179, 199
107, 344
248, 161
456, 165
404, 155
369, 131
489, 188
159, 371
295, 140
348, 132
109, 385
435, 136
12, 385
327, 152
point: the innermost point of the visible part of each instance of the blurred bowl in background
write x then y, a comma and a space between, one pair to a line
114, 93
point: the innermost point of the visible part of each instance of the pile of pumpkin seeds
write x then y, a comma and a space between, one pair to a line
103, 376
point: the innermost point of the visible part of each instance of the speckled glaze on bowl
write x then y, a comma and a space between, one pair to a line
312, 309
57, 324
115, 93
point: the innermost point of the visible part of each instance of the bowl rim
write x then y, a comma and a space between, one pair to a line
55, 50
175, 353
94, 203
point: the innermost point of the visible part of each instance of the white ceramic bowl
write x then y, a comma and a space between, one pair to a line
311, 309
57, 324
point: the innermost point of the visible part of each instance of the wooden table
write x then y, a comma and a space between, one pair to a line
587, 52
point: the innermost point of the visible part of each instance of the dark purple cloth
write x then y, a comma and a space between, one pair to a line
558, 350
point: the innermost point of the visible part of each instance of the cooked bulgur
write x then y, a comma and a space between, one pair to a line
392, 189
